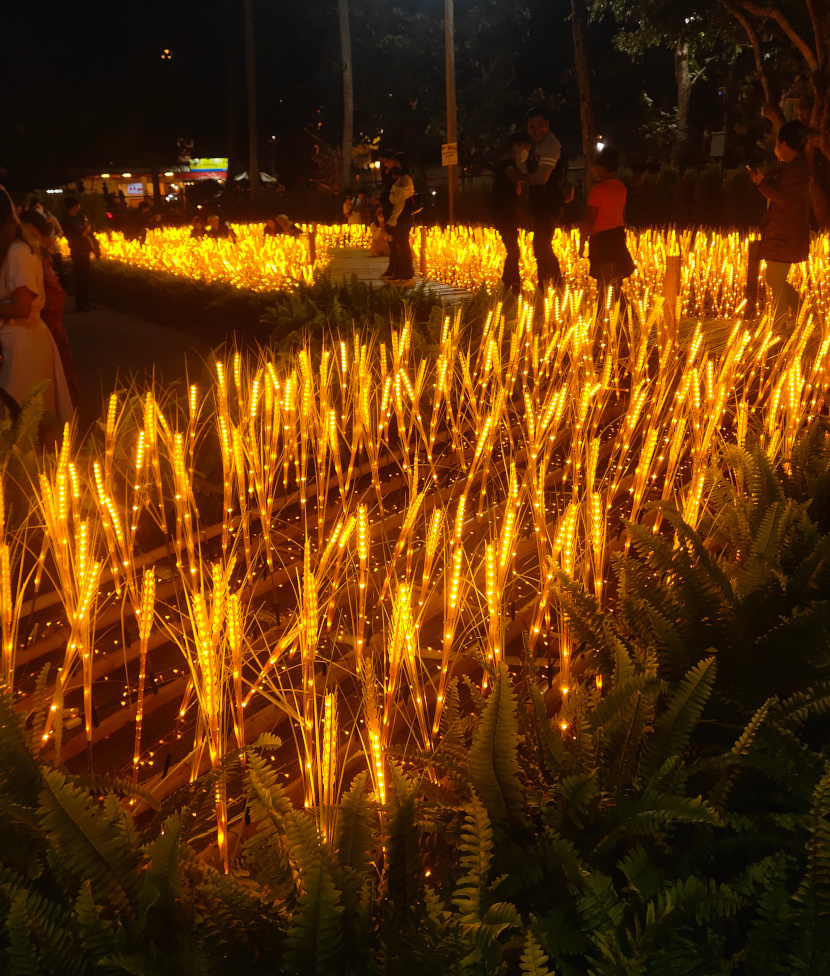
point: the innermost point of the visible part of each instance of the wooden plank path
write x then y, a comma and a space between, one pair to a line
358, 262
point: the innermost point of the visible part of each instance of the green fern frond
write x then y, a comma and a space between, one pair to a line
355, 838
452, 725
551, 748
476, 848
648, 813
90, 846
40, 708
599, 906
22, 956
494, 766
533, 961
162, 879
304, 841
641, 873
763, 551
674, 728
741, 748
403, 847
99, 936
315, 935
20, 776
811, 928
625, 690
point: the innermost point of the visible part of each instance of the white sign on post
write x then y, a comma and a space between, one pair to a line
449, 154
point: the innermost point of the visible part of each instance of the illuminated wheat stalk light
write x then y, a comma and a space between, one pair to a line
145, 624
433, 537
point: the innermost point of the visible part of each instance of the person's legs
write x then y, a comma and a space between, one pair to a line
400, 235
394, 259
783, 297
547, 264
80, 264
511, 276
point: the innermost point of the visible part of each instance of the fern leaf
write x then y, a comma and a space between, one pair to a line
403, 853
811, 953
476, 853
494, 765
162, 879
39, 708
646, 814
315, 935
98, 935
739, 749
674, 728
23, 958
90, 846
763, 551
533, 960
640, 871
304, 841
354, 827
551, 748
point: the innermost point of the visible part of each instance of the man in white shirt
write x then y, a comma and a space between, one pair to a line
545, 198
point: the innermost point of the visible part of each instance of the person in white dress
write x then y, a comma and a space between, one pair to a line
28, 349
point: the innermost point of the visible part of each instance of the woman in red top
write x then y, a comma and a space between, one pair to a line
785, 234
604, 227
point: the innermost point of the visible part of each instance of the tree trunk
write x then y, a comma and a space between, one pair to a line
253, 134
583, 79
348, 91
683, 79
233, 40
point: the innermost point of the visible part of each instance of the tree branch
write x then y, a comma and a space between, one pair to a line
771, 13
699, 74
755, 41
821, 44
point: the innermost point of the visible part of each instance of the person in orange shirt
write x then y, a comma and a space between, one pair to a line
603, 226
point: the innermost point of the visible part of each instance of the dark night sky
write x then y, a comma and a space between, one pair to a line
85, 86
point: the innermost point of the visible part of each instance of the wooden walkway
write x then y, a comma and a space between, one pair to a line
358, 262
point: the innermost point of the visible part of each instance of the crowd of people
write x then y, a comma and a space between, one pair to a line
530, 188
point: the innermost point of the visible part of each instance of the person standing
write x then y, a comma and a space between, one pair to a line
400, 223
545, 196
29, 352
603, 226
78, 235
36, 230
386, 158
785, 233
507, 179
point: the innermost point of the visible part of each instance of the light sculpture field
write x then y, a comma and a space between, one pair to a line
315, 546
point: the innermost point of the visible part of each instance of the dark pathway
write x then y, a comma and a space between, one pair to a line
110, 346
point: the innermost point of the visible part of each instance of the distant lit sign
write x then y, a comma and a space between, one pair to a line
449, 154
135, 189
209, 163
